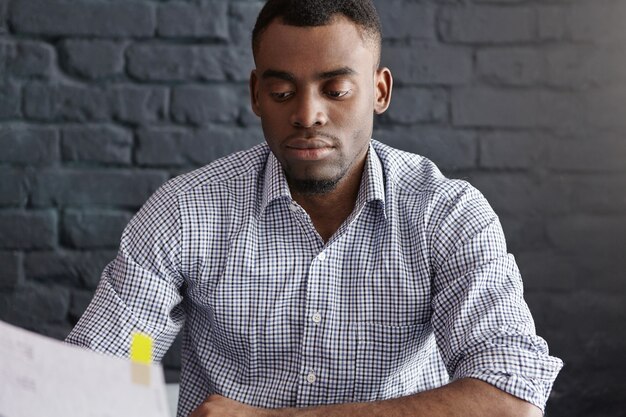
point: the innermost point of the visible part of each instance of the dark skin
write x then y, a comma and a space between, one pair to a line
316, 90
316, 105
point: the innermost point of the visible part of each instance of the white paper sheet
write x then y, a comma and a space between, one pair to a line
40, 376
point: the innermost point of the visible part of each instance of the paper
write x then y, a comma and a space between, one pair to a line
141, 356
40, 376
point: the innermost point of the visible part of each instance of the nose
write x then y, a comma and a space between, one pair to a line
308, 111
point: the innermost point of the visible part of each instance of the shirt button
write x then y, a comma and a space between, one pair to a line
311, 377
316, 317
322, 256
293, 207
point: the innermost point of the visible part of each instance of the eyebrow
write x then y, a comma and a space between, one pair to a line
287, 76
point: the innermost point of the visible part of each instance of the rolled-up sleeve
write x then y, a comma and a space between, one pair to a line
140, 289
481, 322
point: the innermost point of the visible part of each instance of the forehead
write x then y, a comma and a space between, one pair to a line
338, 44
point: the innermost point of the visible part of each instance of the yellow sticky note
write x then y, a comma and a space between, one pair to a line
141, 358
141, 348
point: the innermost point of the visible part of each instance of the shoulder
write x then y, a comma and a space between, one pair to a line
201, 185
237, 167
408, 174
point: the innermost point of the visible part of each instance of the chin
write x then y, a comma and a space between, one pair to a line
313, 186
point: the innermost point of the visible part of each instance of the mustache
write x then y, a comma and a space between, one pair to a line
312, 134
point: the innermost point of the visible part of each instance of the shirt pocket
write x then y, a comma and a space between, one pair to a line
388, 360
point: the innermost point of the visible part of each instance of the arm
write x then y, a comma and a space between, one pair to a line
465, 397
139, 290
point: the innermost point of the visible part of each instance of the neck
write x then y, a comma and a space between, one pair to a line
329, 210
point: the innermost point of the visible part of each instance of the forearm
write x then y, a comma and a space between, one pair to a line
462, 398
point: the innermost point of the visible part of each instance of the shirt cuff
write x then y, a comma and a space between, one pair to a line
526, 375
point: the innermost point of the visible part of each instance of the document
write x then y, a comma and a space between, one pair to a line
40, 376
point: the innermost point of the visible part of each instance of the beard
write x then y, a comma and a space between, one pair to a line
314, 187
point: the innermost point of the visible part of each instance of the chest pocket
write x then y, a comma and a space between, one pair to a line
388, 359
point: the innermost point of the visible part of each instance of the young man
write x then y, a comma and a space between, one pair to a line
325, 274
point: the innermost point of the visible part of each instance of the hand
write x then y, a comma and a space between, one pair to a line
216, 405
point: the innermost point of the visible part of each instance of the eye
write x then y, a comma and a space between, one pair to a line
337, 94
281, 96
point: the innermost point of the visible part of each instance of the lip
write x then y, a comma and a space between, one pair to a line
312, 149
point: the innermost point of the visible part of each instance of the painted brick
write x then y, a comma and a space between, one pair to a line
516, 194
46, 304
601, 194
237, 64
523, 233
186, 147
607, 107
413, 105
510, 66
28, 145
28, 229
11, 270
585, 67
65, 102
513, 150
4, 16
89, 187
6, 50
593, 342
552, 22
100, 144
127, 103
402, 20
600, 21
589, 306
242, 19
544, 270
516, 108
93, 59
588, 235
26, 59
160, 62
79, 269
63, 18
9, 100
165, 146
606, 269
201, 104
12, 187
200, 19
79, 301
428, 63
449, 149
588, 152
487, 24
93, 229
138, 105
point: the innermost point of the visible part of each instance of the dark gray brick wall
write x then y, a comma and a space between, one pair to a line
101, 101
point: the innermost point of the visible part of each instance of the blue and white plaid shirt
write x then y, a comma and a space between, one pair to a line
416, 288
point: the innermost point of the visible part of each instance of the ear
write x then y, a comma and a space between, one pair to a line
383, 85
254, 93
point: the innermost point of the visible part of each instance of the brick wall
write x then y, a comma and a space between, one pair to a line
102, 100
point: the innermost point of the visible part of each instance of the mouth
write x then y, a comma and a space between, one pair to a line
308, 149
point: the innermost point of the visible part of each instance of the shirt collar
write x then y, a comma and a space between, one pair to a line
372, 186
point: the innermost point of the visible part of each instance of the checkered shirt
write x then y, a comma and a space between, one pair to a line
415, 288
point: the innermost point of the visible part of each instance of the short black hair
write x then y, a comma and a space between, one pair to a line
305, 13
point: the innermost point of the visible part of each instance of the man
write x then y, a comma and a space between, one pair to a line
325, 274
